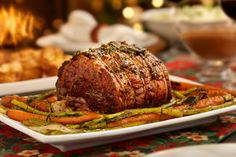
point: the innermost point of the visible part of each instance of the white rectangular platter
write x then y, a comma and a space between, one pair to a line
82, 140
28, 86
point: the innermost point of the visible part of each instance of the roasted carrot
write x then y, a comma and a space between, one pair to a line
212, 101
52, 99
186, 86
45, 95
75, 120
6, 100
41, 105
20, 115
215, 92
148, 117
181, 107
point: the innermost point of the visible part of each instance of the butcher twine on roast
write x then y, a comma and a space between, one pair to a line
112, 78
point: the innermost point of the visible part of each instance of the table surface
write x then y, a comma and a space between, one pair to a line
15, 143
231, 139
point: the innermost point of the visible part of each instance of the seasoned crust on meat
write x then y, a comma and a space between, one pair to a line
112, 78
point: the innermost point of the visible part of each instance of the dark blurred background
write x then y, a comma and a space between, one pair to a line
55, 12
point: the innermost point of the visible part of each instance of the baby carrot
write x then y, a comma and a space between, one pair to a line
212, 101
20, 115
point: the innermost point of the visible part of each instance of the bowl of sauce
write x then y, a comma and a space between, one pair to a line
214, 44
209, 41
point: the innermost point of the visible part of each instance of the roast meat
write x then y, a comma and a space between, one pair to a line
112, 78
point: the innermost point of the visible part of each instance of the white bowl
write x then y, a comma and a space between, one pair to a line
162, 27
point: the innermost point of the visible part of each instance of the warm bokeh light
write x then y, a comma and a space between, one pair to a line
157, 3
128, 12
116, 4
57, 23
97, 5
138, 27
208, 2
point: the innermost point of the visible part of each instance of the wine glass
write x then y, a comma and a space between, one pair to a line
214, 43
229, 7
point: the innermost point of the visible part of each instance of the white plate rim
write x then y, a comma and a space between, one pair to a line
27, 86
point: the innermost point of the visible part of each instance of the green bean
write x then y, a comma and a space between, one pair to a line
44, 95
172, 112
131, 112
228, 97
178, 94
95, 124
73, 126
35, 122
190, 90
172, 103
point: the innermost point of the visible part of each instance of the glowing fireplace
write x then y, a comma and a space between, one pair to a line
17, 26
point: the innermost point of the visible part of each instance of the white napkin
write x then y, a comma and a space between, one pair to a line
79, 26
73, 35
121, 32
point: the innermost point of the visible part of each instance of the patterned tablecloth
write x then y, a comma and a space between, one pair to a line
14, 143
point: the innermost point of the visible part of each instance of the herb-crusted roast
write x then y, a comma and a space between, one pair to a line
112, 78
